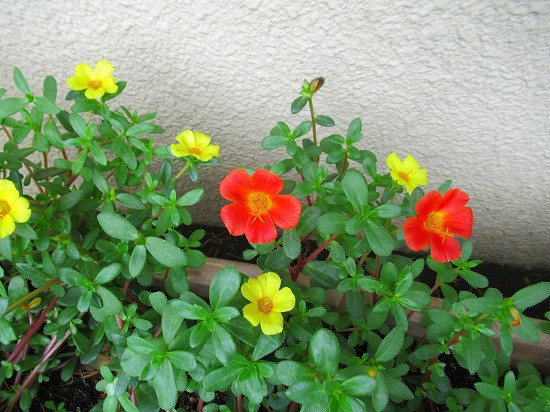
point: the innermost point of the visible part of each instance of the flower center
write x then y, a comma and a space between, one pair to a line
195, 150
94, 84
258, 203
404, 175
435, 224
4, 208
265, 304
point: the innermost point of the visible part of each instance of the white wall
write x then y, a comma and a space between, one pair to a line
462, 85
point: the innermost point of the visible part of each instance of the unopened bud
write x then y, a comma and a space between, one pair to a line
32, 304
372, 371
316, 84
515, 316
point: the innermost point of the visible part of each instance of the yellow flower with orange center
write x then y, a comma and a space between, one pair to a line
96, 81
268, 301
13, 208
194, 144
407, 172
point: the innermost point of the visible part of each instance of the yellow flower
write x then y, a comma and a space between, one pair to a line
195, 144
97, 81
13, 208
407, 173
267, 302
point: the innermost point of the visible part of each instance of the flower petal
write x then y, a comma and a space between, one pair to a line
260, 229
186, 138
109, 85
393, 162
20, 211
410, 164
8, 191
267, 182
460, 223
272, 323
179, 150
93, 94
235, 217
209, 152
271, 282
252, 313
445, 248
420, 177
416, 236
428, 204
285, 211
84, 71
453, 200
103, 69
284, 300
201, 139
7, 226
236, 186
252, 290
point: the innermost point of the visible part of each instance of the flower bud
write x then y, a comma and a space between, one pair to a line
515, 315
316, 84
372, 371
32, 304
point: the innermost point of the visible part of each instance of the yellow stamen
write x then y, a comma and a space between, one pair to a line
258, 204
404, 175
436, 224
195, 150
265, 304
94, 84
4, 208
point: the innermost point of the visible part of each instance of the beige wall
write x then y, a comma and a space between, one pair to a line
462, 85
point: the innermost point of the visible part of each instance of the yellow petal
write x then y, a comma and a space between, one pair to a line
395, 176
77, 83
94, 93
252, 290
8, 191
20, 211
419, 176
209, 152
7, 226
410, 164
201, 140
252, 314
409, 186
109, 85
284, 300
186, 138
393, 162
103, 69
179, 150
272, 323
271, 282
84, 71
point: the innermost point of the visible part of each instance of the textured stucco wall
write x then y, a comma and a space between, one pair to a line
462, 85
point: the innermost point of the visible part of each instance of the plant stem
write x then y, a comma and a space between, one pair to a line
296, 270
31, 331
31, 295
183, 170
313, 124
240, 403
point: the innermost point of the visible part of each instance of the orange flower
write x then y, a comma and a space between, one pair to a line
258, 205
439, 219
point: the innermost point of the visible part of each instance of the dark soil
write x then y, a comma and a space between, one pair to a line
80, 394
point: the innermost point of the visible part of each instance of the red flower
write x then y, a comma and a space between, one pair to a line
439, 219
258, 205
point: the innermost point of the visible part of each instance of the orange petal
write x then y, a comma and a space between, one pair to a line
268, 182
428, 204
236, 186
285, 211
234, 217
445, 249
460, 223
453, 200
416, 236
260, 229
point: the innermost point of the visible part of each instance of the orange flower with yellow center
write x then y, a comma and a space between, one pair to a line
96, 81
13, 208
257, 206
267, 302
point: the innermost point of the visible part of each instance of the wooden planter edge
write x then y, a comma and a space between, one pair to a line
537, 354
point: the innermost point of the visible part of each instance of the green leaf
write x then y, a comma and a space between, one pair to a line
52, 134
190, 198
298, 104
32, 273
224, 345
489, 391
485, 305
45, 106
306, 392
325, 121
137, 260
165, 252
67, 201
50, 89
361, 385
140, 128
531, 295
390, 345
354, 128
387, 211
85, 105
116, 226
222, 378
323, 272
12, 105
290, 372
301, 129
165, 387
266, 345
25, 230
111, 305
98, 154
182, 359
7, 333
324, 352
331, 223
291, 243
379, 239
108, 273
20, 81
225, 285
130, 200
274, 142
78, 124
356, 188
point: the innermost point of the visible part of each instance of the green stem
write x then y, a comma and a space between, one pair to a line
183, 170
313, 124
89, 116
31, 295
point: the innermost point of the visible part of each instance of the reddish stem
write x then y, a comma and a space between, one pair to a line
31, 331
240, 403
296, 270
200, 405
